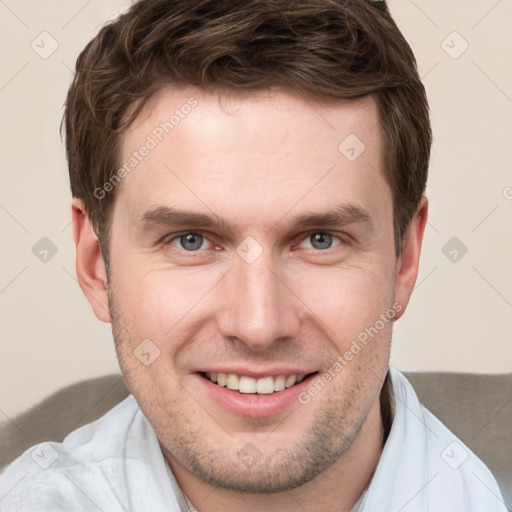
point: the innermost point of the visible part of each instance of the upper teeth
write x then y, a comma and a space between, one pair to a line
245, 384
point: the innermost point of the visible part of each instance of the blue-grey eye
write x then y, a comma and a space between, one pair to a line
191, 241
321, 240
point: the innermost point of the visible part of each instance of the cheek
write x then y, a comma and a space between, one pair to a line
347, 299
150, 308
155, 303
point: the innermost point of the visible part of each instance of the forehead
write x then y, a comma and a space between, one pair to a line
280, 108
246, 149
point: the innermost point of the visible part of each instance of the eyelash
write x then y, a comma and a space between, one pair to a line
304, 236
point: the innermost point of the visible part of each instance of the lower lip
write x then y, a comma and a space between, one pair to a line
254, 405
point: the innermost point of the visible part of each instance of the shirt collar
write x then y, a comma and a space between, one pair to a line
402, 469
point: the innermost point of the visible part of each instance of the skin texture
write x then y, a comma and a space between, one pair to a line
257, 159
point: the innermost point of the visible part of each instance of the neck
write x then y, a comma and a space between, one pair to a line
337, 488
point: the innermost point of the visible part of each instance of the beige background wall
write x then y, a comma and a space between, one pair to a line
460, 317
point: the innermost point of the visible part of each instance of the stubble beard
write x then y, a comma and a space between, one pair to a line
270, 468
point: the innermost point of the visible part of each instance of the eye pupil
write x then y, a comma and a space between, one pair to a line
191, 241
321, 240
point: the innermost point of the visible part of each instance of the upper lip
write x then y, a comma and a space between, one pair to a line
257, 373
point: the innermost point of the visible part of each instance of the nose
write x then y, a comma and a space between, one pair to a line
259, 306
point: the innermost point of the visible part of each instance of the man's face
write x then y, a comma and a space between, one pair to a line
257, 295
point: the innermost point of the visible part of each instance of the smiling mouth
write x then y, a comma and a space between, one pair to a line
248, 385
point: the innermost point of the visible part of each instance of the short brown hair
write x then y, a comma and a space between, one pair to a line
331, 49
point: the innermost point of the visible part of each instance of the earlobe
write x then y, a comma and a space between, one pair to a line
90, 267
407, 264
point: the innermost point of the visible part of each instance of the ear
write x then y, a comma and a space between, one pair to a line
406, 270
90, 267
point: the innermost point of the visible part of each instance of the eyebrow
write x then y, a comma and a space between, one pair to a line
167, 217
